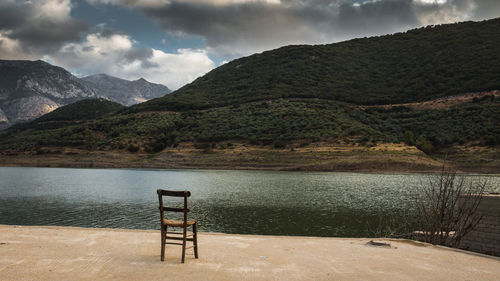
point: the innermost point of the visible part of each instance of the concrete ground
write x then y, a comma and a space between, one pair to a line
67, 253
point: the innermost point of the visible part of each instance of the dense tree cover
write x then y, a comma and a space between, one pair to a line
306, 93
273, 123
89, 109
476, 121
417, 65
82, 110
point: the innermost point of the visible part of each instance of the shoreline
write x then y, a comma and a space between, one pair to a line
58, 253
208, 169
351, 169
317, 157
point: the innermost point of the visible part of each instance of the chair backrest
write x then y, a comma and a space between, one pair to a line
173, 193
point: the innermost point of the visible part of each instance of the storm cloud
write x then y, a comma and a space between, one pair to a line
222, 30
143, 55
37, 27
238, 27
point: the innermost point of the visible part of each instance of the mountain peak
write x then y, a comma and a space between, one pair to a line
42, 63
32, 88
124, 91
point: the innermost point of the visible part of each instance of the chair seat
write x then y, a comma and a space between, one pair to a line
175, 223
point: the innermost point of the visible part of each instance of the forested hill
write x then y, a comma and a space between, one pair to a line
416, 65
303, 95
89, 109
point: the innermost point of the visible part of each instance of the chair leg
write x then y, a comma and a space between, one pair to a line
184, 244
195, 240
163, 238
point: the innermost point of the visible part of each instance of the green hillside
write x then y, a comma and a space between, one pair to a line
304, 94
75, 113
417, 65
272, 123
89, 109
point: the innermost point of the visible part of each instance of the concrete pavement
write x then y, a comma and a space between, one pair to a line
69, 253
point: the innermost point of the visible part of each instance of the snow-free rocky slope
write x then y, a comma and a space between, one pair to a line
124, 91
30, 89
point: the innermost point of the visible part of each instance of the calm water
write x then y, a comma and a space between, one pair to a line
254, 202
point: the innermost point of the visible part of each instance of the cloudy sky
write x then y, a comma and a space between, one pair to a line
174, 41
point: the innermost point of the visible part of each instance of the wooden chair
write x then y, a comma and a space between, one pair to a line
184, 224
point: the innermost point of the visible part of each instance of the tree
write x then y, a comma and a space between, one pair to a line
424, 145
447, 207
409, 138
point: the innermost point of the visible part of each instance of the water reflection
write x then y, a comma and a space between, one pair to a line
250, 202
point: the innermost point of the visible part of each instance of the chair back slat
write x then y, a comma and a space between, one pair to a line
170, 209
173, 193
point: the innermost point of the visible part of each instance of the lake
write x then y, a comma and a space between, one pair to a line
244, 202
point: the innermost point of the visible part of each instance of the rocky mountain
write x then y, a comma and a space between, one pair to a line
371, 94
30, 89
124, 91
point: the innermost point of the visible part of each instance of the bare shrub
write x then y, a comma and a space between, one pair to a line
446, 207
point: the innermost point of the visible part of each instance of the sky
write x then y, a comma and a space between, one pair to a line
172, 42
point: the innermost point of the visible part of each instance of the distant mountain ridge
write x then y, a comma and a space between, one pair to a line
30, 89
124, 91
